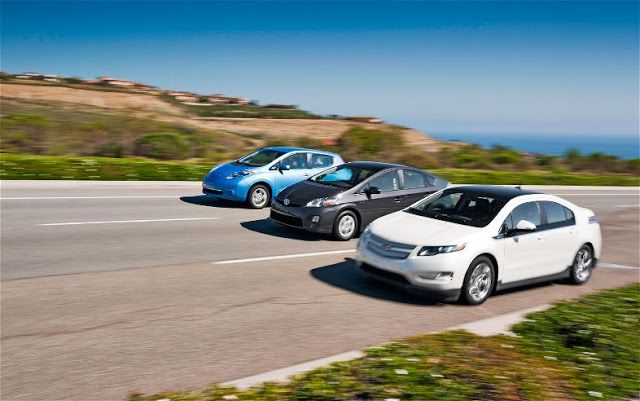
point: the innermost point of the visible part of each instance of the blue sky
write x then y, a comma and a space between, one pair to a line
444, 67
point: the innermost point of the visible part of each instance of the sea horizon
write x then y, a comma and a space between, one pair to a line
622, 146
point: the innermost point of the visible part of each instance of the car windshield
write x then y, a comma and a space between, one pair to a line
344, 176
260, 158
459, 206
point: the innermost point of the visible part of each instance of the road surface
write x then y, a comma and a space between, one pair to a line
111, 287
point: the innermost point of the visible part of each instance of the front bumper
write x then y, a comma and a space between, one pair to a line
314, 219
406, 273
227, 193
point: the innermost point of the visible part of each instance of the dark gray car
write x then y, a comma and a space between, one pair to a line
344, 199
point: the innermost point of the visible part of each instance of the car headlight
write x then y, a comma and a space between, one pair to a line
435, 250
319, 202
240, 174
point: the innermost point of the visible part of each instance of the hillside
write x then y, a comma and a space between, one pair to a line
24, 97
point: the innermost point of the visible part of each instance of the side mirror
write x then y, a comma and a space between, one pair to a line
284, 167
372, 191
523, 226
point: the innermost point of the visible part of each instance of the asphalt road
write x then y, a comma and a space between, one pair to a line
112, 287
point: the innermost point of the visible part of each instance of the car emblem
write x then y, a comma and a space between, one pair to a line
386, 247
286, 202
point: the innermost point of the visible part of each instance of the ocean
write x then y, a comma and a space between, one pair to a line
625, 147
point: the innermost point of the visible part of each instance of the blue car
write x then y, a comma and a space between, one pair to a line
261, 175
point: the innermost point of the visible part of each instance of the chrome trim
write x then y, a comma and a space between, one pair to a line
388, 249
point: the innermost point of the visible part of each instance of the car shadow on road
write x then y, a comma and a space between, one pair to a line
344, 275
266, 226
204, 200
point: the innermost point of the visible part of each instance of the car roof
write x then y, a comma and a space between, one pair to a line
287, 149
374, 165
494, 191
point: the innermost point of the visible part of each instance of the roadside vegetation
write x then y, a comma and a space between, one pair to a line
573, 351
32, 167
71, 136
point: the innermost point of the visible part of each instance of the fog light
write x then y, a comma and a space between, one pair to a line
440, 276
315, 219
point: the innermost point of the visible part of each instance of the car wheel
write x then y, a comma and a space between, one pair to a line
258, 196
479, 281
582, 265
345, 226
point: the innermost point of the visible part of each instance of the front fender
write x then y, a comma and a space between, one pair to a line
245, 183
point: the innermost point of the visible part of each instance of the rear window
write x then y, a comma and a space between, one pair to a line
416, 179
319, 161
557, 215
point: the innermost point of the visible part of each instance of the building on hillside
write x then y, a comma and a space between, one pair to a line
187, 98
366, 119
120, 83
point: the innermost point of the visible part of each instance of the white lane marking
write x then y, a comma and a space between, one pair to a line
77, 223
90, 197
615, 266
296, 255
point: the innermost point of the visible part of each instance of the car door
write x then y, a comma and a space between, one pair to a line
390, 198
293, 168
523, 251
416, 185
561, 239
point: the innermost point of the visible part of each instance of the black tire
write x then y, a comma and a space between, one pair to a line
342, 232
486, 274
582, 267
258, 196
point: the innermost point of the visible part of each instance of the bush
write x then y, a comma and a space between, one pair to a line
111, 149
163, 146
360, 141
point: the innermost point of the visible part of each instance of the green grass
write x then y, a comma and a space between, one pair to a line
573, 351
16, 166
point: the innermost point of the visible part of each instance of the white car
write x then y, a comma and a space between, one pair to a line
465, 242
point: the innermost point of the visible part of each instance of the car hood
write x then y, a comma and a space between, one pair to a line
305, 191
224, 170
412, 229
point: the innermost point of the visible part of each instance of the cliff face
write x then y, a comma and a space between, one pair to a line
154, 107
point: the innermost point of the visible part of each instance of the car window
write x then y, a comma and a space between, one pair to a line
557, 215
344, 175
529, 211
296, 161
416, 179
319, 161
260, 158
386, 182
456, 205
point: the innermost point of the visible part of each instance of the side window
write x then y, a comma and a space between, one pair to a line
321, 161
386, 182
557, 215
416, 179
296, 161
529, 211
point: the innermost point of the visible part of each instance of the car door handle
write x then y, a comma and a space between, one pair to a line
398, 198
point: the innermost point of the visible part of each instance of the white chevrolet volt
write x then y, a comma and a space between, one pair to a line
465, 242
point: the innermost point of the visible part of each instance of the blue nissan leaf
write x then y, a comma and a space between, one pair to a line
261, 175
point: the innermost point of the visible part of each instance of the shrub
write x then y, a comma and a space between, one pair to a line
163, 146
111, 149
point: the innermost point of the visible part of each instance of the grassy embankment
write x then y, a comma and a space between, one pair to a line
30, 167
573, 351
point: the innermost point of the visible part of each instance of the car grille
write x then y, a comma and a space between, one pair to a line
384, 275
286, 219
389, 249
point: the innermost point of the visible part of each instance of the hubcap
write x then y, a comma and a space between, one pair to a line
346, 226
583, 265
259, 197
480, 282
